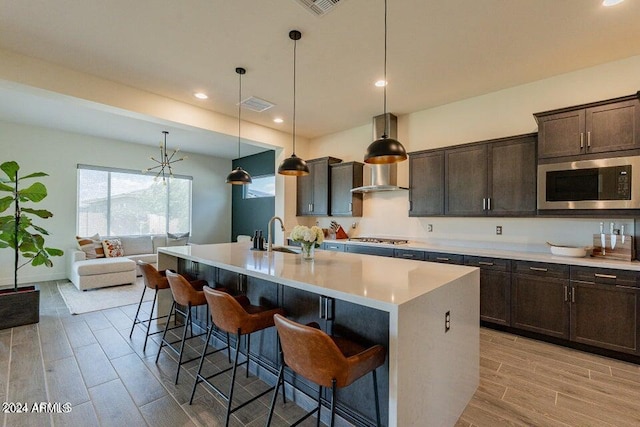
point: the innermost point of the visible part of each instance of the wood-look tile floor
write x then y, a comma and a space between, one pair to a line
89, 361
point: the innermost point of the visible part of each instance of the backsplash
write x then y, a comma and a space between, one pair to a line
385, 215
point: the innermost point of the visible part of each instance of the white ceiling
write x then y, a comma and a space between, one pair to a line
440, 51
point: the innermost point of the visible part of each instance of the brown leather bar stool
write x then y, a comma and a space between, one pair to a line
187, 294
156, 280
326, 360
233, 315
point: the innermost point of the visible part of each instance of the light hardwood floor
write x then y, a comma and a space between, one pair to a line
89, 361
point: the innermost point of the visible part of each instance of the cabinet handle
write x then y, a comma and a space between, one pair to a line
488, 203
350, 207
588, 140
328, 308
635, 288
581, 140
442, 259
321, 314
311, 205
484, 204
539, 269
407, 255
606, 276
485, 263
573, 295
565, 294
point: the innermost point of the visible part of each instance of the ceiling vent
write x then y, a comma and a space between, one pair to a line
319, 7
256, 104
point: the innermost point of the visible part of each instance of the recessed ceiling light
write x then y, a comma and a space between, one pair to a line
608, 3
200, 95
278, 120
381, 83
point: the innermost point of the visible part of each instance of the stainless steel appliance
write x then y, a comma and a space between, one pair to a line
612, 183
379, 240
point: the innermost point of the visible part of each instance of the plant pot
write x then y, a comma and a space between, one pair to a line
19, 308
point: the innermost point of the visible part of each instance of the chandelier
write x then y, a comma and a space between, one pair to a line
164, 164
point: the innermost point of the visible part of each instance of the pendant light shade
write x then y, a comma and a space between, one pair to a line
294, 165
239, 176
385, 150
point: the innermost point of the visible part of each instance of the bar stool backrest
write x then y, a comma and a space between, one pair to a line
226, 312
152, 277
183, 293
312, 353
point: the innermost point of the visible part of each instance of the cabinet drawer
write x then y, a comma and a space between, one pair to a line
337, 247
444, 258
559, 271
409, 254
488, 263
605, 276
369, 250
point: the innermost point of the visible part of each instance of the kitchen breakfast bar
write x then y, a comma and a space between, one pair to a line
425, 314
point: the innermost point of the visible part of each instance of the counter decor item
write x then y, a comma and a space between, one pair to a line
309, 239
614, 246
571, 251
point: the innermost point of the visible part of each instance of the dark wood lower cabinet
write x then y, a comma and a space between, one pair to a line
495, 297
539, 304
605, 316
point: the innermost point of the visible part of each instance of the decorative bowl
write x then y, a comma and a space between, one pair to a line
571, 251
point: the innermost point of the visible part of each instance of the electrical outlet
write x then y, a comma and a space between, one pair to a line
447, 321
499, 230
354, 225
429, 228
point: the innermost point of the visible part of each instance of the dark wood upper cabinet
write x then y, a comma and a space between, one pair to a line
491, 178
466, 180
599, 127
344, 177
312, 190
512, 177
426, 183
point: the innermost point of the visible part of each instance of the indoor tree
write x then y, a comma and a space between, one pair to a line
17, 230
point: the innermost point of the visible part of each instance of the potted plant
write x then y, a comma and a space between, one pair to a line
21, 306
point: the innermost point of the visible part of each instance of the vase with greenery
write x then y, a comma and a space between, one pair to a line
17, 229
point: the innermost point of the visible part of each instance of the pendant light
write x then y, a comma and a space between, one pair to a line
385, 150
294, 165
239, 176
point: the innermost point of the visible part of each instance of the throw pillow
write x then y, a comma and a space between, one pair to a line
177, 239
112, 248
91, 246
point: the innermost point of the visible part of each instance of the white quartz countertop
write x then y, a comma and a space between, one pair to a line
377, 282
587, 261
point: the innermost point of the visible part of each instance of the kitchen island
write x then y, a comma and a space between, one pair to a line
432, 369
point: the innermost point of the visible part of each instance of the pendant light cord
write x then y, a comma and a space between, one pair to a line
239, 110
384, 135
295, 43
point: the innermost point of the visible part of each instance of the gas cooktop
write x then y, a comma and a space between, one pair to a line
379, 240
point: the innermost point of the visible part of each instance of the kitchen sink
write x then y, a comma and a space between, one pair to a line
285, 249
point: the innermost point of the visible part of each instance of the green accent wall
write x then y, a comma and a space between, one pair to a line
248, 215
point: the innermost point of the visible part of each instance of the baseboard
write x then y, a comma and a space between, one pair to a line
24, 279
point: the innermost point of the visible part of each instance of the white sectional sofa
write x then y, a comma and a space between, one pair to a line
101, 272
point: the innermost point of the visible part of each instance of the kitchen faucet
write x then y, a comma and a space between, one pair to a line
269, 240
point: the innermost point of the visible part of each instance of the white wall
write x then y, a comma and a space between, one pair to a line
498, 114
58, 153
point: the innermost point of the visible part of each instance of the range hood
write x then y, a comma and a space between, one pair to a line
381, 177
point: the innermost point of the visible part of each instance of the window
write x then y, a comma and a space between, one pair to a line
115, 202
261, 186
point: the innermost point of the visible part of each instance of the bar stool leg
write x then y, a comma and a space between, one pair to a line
228, 348
166, 328
135, 319
319, 408
375, 393
153, 304
204, 353
233, 378
248, 349
184, 338
333, 402
275, 393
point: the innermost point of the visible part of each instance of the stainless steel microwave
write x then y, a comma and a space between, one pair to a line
590, 184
